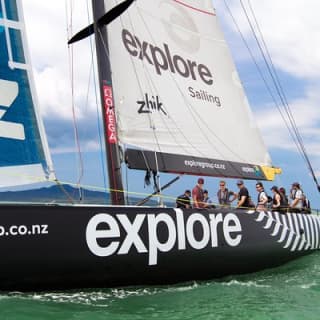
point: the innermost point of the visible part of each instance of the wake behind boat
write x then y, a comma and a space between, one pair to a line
171, 102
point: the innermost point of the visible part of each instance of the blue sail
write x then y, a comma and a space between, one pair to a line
24, 155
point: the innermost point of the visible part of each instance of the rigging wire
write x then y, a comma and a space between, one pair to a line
272, 72
153, 88
157, 184
195, 114
75, 126
196, 117
98, 111
105, 48
76, 130
279, 89
261, 74
156, 178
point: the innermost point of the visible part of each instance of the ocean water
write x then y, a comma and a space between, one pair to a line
288, 292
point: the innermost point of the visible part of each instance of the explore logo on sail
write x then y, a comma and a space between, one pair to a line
163, 60
165, 232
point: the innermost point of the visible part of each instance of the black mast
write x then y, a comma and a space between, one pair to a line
101, 19
108, 110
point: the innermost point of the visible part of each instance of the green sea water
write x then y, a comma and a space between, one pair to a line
288, 292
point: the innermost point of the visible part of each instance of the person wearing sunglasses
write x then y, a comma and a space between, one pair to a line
224, 195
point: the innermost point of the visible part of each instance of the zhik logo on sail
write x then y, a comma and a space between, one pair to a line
8, 93
150, 105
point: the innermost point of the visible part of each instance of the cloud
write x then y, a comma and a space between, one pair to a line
291, 32
307, 118
52, 60
290, 29
55, 67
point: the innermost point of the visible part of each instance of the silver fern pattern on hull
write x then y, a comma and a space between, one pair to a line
295, 231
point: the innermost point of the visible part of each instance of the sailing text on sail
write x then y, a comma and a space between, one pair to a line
163, 60
204, 95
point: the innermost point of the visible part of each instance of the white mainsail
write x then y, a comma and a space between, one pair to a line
176, 88
25, 155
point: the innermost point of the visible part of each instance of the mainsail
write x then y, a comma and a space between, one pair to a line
24, 157
179, 101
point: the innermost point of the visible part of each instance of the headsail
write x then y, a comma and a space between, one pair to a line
180, 104
24, 156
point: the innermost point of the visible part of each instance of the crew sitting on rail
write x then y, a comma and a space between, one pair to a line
207, 201
279, 201
183, 201
296, 198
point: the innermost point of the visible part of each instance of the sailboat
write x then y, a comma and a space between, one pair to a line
172, 102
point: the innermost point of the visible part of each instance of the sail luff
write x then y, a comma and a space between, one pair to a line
108, 107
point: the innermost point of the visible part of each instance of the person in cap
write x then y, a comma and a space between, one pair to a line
183, 201
243, 195
197, 194
296, 197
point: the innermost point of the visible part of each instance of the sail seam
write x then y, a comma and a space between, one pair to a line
194, 8
6, 31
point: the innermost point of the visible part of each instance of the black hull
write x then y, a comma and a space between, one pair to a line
63, 247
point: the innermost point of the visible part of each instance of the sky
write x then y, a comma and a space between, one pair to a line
291, 30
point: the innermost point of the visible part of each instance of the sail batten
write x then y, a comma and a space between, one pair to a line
180, 94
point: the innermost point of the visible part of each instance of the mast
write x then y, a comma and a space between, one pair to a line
107, 107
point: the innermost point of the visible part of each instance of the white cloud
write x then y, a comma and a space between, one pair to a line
307, 118
291, 29
47, 31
